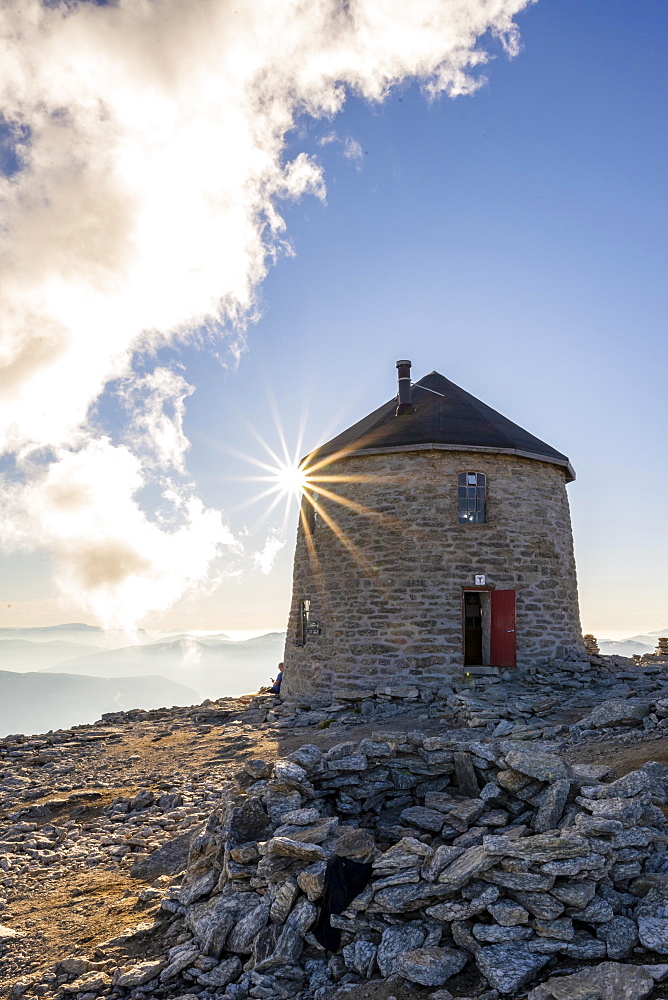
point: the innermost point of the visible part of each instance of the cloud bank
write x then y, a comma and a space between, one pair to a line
149, 140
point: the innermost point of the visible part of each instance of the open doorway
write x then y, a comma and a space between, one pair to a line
476, 622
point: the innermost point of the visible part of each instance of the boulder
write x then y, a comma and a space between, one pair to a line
494, 933
465, 775
257, 768
142, 800
307, 756
575, 892
311, 880
542, 905
198, 885
508, 913
355, 844
283, 901
288, 770
180, 959
212, 921
246, 930
91, 982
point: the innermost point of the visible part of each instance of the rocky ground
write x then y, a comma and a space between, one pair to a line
96, 824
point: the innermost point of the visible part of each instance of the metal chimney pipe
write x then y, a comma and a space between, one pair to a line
404, 394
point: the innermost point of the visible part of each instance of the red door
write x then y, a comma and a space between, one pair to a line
502, 630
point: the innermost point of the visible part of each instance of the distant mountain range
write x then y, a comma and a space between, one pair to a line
73, 673
75, 632
213, 669
44, 630
635, 644
37, 702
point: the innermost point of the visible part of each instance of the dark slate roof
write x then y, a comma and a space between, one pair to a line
446, 417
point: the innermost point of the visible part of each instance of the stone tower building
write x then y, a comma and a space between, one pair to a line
434, 537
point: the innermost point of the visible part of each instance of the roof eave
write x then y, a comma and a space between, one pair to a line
563, 463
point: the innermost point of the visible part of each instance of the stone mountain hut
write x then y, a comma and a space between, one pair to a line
434, 539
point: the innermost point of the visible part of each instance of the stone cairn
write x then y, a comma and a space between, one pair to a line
591, 644
480, 852
662, 648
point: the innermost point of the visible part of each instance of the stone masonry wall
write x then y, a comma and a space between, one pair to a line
385, 583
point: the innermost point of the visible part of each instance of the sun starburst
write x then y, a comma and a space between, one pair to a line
316, 486
290, 480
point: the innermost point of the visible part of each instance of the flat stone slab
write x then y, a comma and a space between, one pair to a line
354, 844
619, 713
620, 935
395, 942
283, 847
541, 847
473, 861
653, 933
431, 966
426, 819
608, 981
542, 766
508, 966
139, 974
222, 974
170, 859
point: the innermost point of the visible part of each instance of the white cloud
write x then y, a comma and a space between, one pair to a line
151, 140
108, 556
156, 404
352, 150
264, 559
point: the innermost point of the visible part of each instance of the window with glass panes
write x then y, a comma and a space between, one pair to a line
471, 497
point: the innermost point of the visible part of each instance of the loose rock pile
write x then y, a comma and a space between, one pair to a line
481, 852
490, 856
529, 704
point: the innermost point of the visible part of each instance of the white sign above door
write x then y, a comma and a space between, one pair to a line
480, 580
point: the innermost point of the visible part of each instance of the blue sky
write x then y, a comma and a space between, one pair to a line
514, 240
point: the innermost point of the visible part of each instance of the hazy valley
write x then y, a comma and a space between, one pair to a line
66, 675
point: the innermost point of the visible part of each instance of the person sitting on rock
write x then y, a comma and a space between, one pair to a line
276, 684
